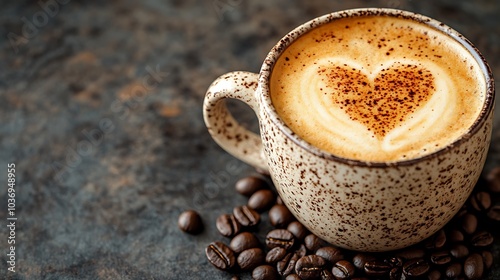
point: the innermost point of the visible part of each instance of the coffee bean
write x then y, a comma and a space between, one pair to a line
279, 201
434, 275
235, 278
360, 259
411, 253
360, 278
487, 259
280, 238
250, 259
301, 251
343, 270
310, 267
190, 221
220, 255
482, 239
330, 254
298, 230
287, 264
440, 257
377, 268
280, 216
228, 225
261, 200
313, 242
453, 270
455, 235
474, 267
395, 273
480, 201
326, 275
436, 241
394, 261
265, 272
292, 276
246, 216
493, 179
275, 254
494, 213
469, 223
243, 241
249, 185
416, 268
459, 251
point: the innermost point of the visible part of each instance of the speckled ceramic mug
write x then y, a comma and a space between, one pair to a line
354, 204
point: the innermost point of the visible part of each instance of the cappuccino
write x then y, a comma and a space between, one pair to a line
377, 88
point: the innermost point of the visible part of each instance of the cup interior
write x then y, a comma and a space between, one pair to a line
287, 40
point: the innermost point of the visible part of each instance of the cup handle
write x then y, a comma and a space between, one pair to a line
225, 130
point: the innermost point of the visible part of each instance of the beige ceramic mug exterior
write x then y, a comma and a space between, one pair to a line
352, 204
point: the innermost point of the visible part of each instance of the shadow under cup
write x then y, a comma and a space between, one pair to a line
353, 204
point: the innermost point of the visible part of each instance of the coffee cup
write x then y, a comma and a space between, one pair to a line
374, 124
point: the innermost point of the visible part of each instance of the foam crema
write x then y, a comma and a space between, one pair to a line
377, 88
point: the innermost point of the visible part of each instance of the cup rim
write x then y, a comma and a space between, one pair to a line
279, 48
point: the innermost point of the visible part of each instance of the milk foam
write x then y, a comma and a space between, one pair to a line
302, 89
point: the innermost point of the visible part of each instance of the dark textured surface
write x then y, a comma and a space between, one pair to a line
105, 206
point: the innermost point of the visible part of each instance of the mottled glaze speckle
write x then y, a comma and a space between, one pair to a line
360, 205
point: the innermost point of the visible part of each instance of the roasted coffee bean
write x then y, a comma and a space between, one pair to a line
279, 201
326, 275
190, 221
482, 239
280, 238
395, 273
249, 185
265, 272
360, 259
287, 264
487, 259
280, 216
394, 261
441, 257
298, 230
411, 253
313, 242
377, 268
301, 251
455, 235
343, 270
494, 212
261, 200
469, 223
310, 267
459, 251
434, 275
243, 241
480, 201
228, 225
246, 216
474, 267
453, 270
220, 255
292, 276
493, 179
436, 241
416, 268
275, 254
250, 259
330, 254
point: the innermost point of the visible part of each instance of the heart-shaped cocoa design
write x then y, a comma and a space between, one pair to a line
380, 103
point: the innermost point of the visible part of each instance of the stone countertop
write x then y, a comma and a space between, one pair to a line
101, 113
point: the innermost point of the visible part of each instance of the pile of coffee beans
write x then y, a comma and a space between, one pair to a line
461, 250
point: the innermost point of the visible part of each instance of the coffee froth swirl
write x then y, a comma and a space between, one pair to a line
384, 108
